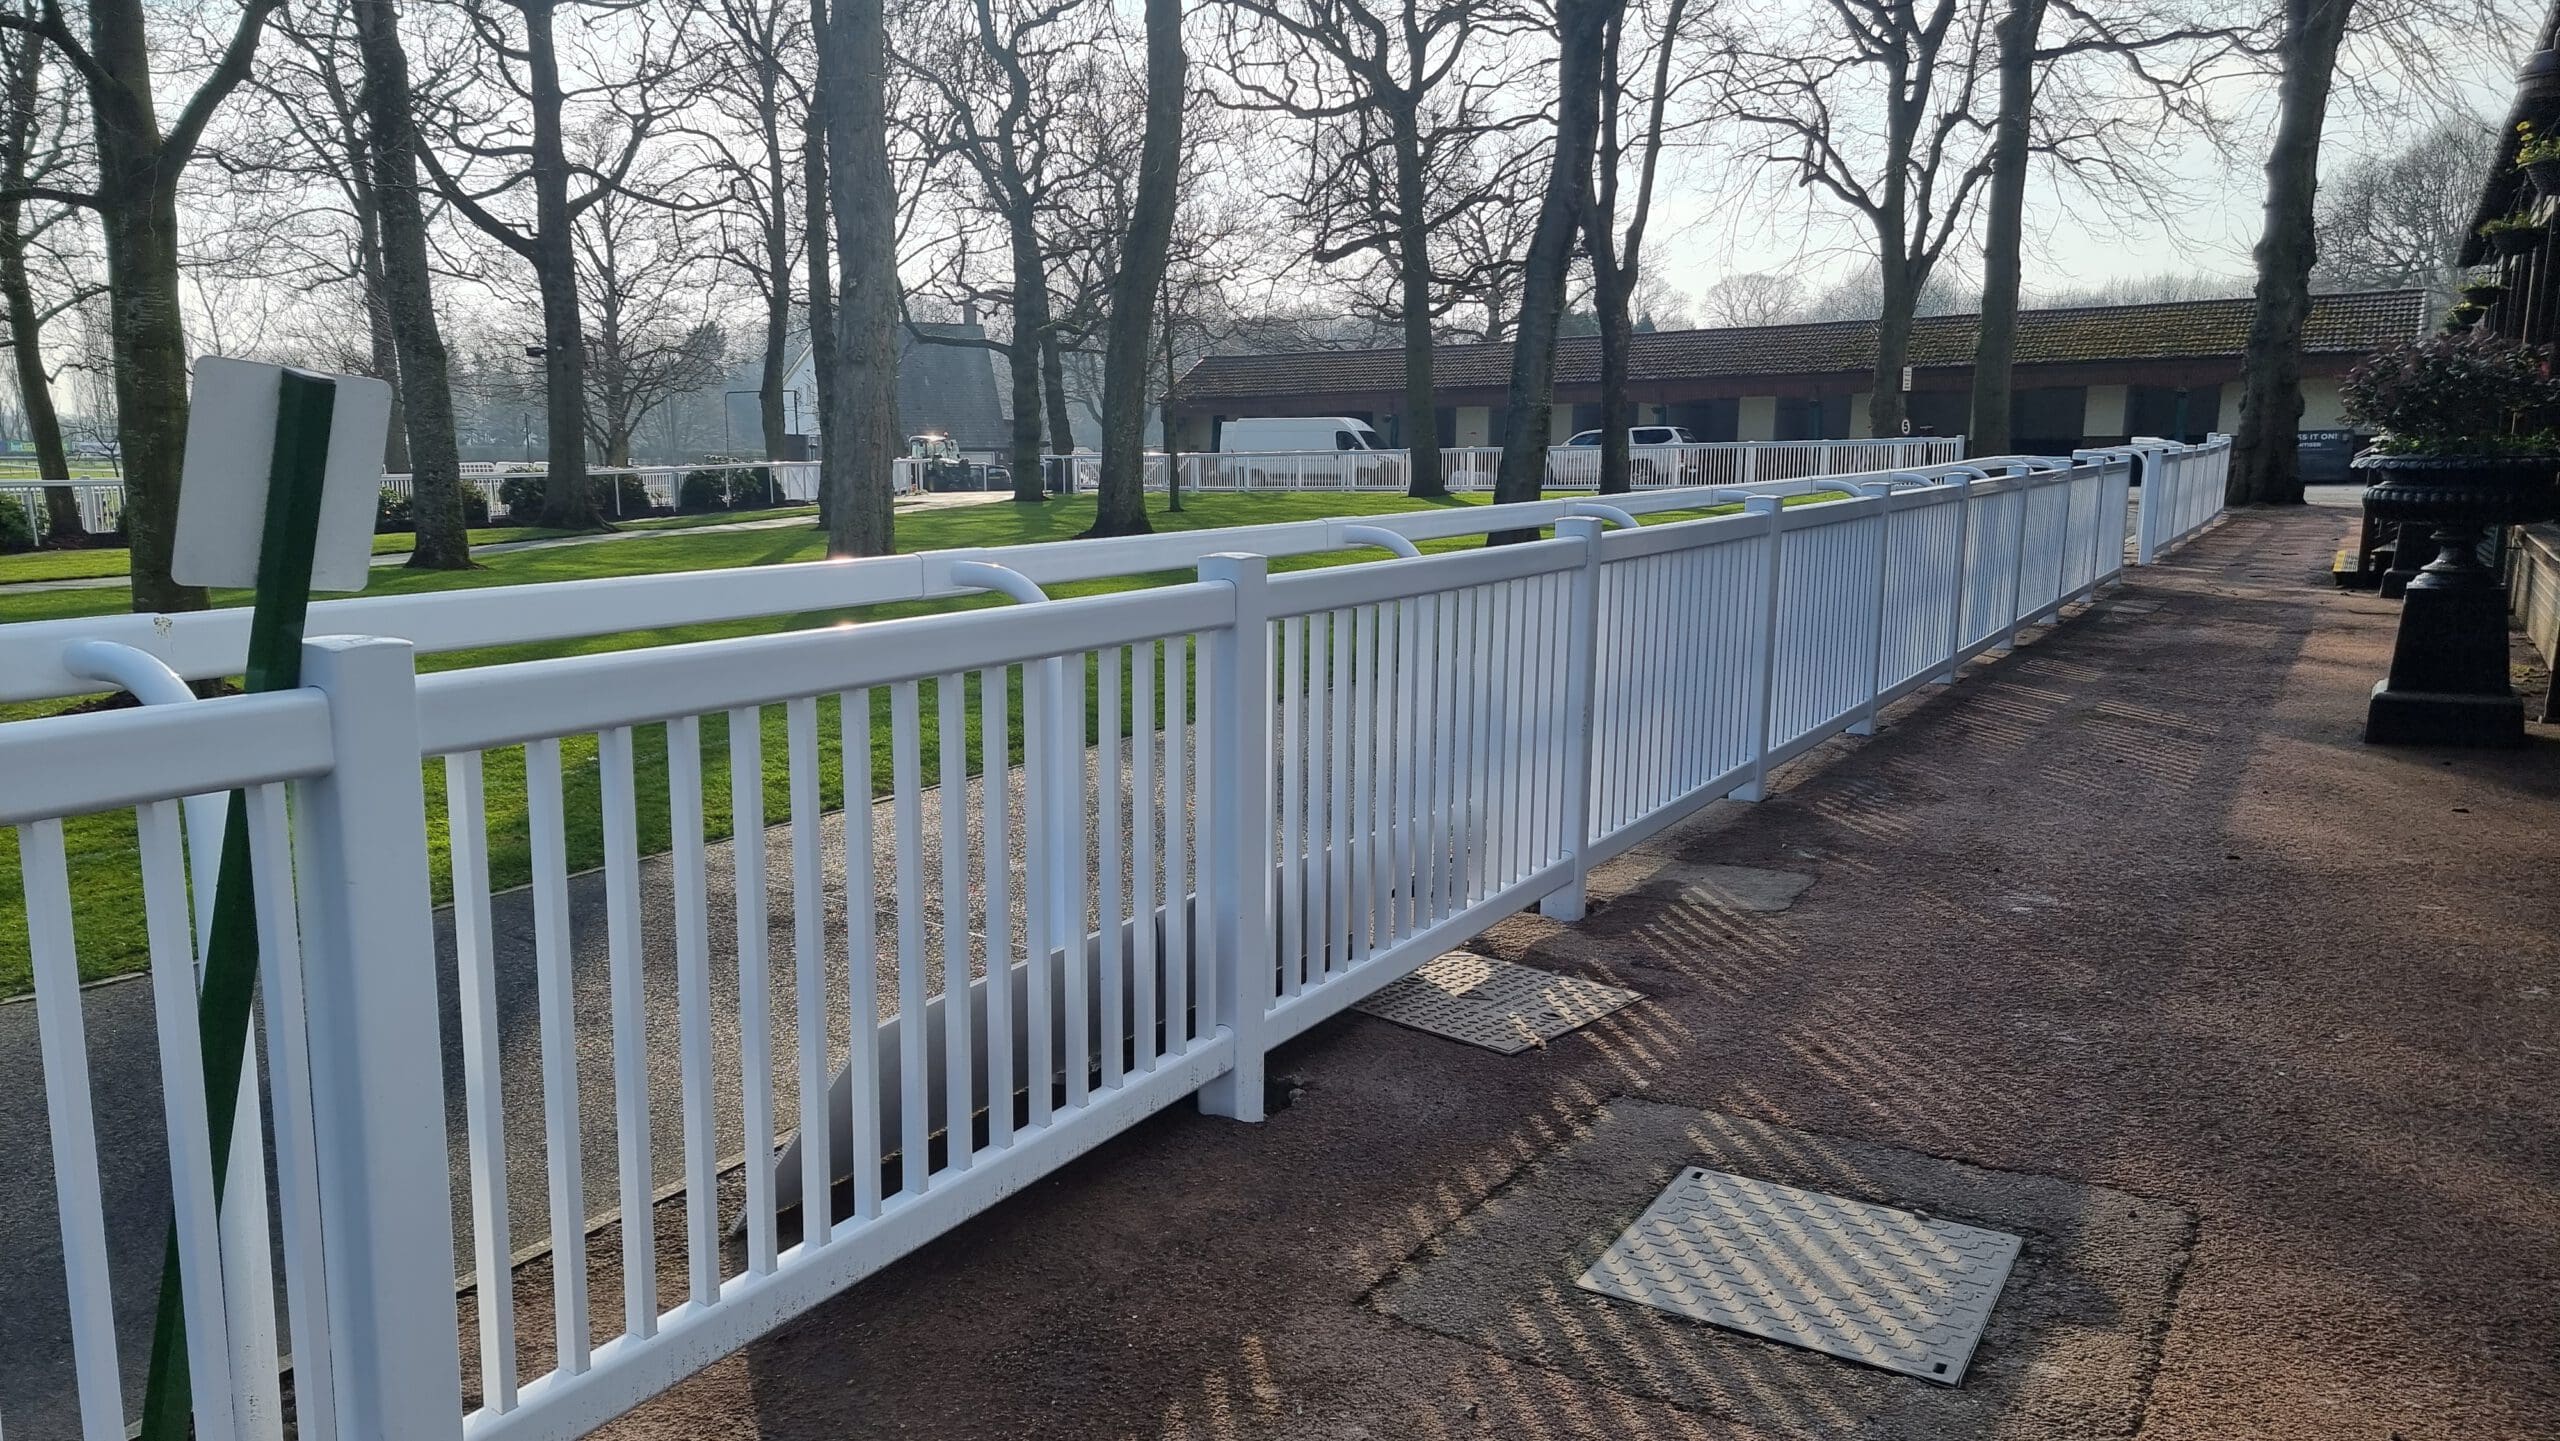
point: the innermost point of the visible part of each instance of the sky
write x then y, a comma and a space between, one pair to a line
1716, 222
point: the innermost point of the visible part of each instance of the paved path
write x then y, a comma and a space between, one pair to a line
2130, 918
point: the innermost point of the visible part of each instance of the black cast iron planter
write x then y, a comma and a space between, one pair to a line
2448, 681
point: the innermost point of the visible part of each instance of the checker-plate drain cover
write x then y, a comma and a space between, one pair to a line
1495, 1004
1861, 1282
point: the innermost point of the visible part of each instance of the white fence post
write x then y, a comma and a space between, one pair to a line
1764, 664
1963, 585
1240, 803
377, 1077
1881, 492
1581, 684
2010, 627
2155, 502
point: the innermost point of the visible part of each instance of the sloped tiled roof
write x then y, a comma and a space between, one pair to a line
2170, 330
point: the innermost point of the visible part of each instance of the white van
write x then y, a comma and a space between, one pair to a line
1298, 432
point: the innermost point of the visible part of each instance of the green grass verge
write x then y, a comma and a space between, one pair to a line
105, 877
105, 561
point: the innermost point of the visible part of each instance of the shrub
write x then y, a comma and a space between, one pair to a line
522, 496
475, 506
702, 490
393, 512
2535, 146
2452, 395
18, 531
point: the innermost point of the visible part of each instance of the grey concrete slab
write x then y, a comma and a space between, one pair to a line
2067, 1352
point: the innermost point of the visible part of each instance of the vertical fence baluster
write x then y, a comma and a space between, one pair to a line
995, 786
558, 1027
861, 953
1240, 692
615, 782
906, 761
951, 784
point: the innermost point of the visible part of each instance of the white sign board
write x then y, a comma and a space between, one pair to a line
1906, 378
222, 495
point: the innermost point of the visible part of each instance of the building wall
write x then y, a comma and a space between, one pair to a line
1559, 424
1861, 416
2320, 406
1192, 432
1757, 418
2104, 415
1475, 426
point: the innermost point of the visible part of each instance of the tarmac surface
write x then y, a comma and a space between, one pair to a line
2129, 919
2125, 944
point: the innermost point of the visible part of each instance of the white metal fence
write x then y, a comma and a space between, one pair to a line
1236, 806
793, 482
1472, 468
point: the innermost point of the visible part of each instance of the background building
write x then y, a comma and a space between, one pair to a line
2088, 376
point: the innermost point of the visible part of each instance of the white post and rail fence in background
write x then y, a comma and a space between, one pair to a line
1243, 803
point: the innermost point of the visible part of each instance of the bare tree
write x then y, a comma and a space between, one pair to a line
38, 148
1120, 502
762, 46
862, 422
1616, 253
1395, 98
1583, 28
2045, 104
650, 332
1754, 297
626, 96
2264, 467
1009, 83
435, 459
2398, 220
139, 166
1879, 112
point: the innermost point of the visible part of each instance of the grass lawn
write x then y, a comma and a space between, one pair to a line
105, 877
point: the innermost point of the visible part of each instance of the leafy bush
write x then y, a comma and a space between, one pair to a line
475, 506
701, 491
2464, 394
398, 512
17, 530
522, 496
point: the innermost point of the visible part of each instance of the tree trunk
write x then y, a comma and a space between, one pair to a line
1893, 346
63, 524
1121, 507
1413, 274
555, 266
1526, 405
1617, 413
1053, 390
862, 425
435, 460
777, 260
1022, 355
2264, 468
140, 231
2004, 221
822, 304
1164, 409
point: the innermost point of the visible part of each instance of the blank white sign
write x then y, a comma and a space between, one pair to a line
222, 496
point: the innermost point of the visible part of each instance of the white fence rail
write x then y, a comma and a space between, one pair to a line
1473, 468
1236, 806
792, 482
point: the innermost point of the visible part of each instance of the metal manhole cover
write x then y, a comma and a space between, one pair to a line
1496, 1004
1861, 1282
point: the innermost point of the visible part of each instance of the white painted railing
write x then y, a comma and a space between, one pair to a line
1241, 804
1468, 469
794, 482
101, 502
2182, 491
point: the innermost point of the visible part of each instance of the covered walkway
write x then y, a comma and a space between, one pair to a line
2127, 946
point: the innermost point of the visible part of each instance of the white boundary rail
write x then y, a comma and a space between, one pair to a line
2182, 489
795, 482
1469, 469
1243, 803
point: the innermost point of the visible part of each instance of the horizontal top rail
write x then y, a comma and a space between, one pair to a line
1306, 592
500, 705
78, 764
205, 644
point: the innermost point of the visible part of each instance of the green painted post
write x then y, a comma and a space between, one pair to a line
282, 599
